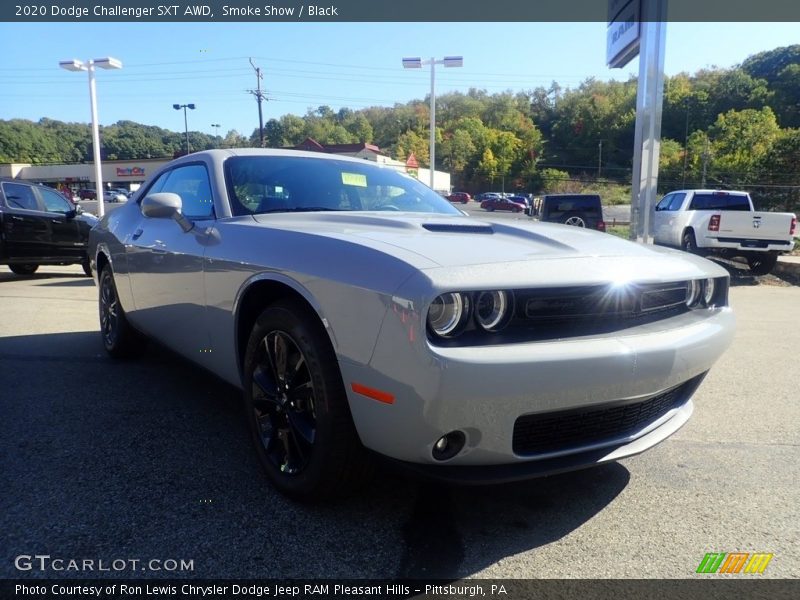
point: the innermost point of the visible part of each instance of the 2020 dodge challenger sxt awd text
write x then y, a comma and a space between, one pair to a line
347, 301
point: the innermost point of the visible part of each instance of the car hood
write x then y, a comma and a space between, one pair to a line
460, 245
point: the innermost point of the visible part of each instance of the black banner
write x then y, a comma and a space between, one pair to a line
704, 587
381, 10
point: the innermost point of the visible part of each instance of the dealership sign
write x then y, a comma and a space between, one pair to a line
130, 171
622, 35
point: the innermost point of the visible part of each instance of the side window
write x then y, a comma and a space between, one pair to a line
54, 202
664, 202
677, 201
157, 184
20, 196
192, 185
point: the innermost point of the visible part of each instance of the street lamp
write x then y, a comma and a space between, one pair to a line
216, 126
417, 63
185, 121
77, 65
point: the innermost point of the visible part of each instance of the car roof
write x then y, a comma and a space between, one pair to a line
222, 154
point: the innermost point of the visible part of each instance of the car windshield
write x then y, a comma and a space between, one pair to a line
269, 184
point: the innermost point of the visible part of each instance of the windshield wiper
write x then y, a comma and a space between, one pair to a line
300, 209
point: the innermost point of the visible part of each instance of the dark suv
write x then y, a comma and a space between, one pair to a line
580, 210
41, 227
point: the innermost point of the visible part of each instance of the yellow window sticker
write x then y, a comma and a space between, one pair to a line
356, 179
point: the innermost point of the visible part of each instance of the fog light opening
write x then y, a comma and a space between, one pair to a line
447, 446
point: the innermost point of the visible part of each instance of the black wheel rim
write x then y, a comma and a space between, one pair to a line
109, 308
283, 403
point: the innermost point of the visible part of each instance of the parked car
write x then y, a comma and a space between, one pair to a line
502, 203
87, 194
462, 197
347, 303
38, 226
723, 223
579, 210
114, 196
487, 196
520, 200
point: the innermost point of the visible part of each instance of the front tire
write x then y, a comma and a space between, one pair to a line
23, 269
120, 339
762, 263
297, 408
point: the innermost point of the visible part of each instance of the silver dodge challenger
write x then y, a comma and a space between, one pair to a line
362, 314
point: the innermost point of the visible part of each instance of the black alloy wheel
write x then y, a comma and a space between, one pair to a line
119, 338
283, 403
297, 408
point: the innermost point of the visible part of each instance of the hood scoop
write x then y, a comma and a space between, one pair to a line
454, 228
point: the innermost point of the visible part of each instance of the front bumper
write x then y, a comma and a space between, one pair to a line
483, 391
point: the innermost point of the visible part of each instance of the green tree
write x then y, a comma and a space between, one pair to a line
740, 140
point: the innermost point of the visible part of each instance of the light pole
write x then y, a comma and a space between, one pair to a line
89, 65
216, 126
417, 63
185, 120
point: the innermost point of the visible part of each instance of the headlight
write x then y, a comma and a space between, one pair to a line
492, 309
709, 287
693, 293
448, 313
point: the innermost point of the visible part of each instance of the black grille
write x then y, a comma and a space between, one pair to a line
554, 432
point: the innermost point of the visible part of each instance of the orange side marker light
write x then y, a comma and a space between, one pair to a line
369, 392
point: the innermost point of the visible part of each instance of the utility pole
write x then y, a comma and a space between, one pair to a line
599, 158
686, 143
259, 98
705, 163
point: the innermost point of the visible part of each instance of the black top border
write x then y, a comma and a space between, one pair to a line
273, 11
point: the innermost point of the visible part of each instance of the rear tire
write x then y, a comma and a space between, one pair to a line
23, 269
120, 339
762, 263
87, 269
689, 243
297, 408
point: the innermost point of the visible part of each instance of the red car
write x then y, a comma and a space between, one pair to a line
511, 204
462, 197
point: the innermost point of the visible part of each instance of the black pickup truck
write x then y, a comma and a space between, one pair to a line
38, 226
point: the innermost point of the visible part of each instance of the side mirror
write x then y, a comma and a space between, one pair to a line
161, 206
165, 205
70, 214
78, 209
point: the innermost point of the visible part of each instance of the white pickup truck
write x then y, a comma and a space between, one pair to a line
722, 222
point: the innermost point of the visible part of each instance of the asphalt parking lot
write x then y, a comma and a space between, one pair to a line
149, 459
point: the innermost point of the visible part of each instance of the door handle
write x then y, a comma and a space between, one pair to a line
14, 218
137, 234
56, 220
